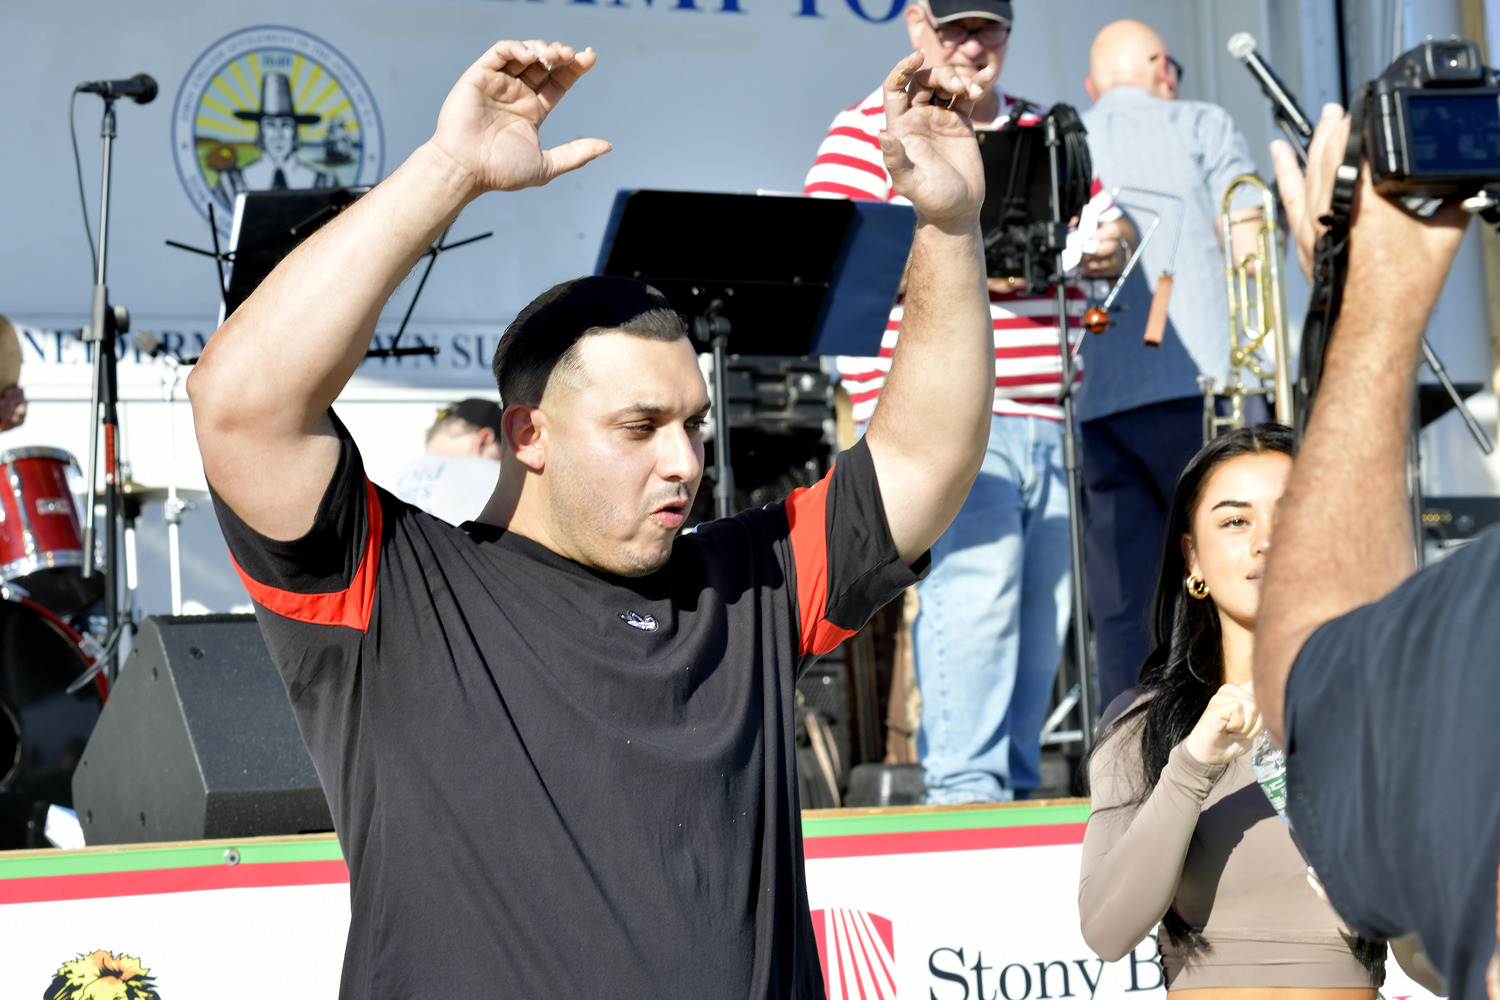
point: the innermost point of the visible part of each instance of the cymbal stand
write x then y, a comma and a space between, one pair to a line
174, 505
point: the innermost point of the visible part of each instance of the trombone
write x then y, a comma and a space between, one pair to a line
1257, 310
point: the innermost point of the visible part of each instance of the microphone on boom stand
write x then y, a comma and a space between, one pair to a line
140, 88
1283, 105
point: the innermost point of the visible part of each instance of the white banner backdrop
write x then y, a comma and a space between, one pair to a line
917, 922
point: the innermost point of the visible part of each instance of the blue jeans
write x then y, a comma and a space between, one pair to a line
993, 614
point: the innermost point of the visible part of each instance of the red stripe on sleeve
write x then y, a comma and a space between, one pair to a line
853, 163
807, 516
860, 135
349, 607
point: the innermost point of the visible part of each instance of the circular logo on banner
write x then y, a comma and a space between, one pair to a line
271, 108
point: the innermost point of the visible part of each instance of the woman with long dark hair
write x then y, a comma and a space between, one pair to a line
1180, 834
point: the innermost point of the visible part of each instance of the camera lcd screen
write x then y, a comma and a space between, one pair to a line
1453, 134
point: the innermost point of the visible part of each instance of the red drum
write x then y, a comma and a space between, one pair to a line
41, 540
43, 728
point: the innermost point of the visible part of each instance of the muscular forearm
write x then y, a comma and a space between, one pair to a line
1343, 531
930, 429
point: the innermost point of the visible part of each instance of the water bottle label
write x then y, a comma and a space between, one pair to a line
1274, 786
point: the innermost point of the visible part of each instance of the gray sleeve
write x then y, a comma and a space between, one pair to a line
1133, 853
1225, 155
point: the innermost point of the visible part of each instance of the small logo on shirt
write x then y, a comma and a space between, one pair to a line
646, 624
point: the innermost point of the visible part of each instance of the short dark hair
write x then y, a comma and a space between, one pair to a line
548, 330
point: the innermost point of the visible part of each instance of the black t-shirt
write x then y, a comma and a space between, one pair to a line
554, 782
1393, 762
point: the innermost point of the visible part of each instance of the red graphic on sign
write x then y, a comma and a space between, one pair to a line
858, 952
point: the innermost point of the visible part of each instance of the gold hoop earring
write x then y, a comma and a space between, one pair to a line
1197, 587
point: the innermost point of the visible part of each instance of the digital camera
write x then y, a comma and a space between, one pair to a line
1433, 128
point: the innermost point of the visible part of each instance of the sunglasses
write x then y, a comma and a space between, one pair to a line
1176, 66
953, 35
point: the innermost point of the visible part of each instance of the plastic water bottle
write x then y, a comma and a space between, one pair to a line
1269, 766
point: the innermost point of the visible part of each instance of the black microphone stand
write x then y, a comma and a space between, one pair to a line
104, 411
1056, 244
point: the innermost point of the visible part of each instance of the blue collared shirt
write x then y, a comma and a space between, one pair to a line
1192, 150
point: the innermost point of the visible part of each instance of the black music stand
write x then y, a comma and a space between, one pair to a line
268, 225
762, 275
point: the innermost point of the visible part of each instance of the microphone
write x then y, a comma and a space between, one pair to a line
1242, 47
140, 88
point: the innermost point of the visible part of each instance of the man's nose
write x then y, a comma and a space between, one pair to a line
679, 458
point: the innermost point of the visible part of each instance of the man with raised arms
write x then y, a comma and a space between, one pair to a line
557, 742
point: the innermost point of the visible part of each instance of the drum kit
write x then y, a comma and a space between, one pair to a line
56, 650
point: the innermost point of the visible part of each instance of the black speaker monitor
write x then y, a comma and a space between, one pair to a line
197, 741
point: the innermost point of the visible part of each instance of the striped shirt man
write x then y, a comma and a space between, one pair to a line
1028, 368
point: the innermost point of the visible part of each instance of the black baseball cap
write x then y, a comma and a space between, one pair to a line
479, 412
944, 11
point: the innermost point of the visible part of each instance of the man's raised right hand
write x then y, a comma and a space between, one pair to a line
488, 124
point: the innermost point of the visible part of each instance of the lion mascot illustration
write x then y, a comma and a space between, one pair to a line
102, 975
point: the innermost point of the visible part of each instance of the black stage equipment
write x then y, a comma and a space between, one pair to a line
45, 718
197, 741
780, 417
824, 688
140, 88
1016, 218
1453, 521
761, 275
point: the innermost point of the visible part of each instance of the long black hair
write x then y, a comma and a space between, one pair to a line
1186, 664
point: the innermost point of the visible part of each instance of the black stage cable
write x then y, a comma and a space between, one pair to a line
82, 200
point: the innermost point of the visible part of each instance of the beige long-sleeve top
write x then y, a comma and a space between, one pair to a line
1207, 842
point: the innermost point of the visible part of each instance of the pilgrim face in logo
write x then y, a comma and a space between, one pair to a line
278, 167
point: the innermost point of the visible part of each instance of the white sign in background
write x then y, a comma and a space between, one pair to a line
998, 924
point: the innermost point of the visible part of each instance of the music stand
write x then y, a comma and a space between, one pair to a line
268, 225
762, 275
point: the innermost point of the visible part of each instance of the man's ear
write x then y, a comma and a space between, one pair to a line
526, 435
916, 20
483, 438
1088, 85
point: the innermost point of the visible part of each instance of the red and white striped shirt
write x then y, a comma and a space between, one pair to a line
1028, 367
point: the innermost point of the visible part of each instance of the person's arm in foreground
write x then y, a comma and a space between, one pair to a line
928, 435
261, 392
1343, 528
